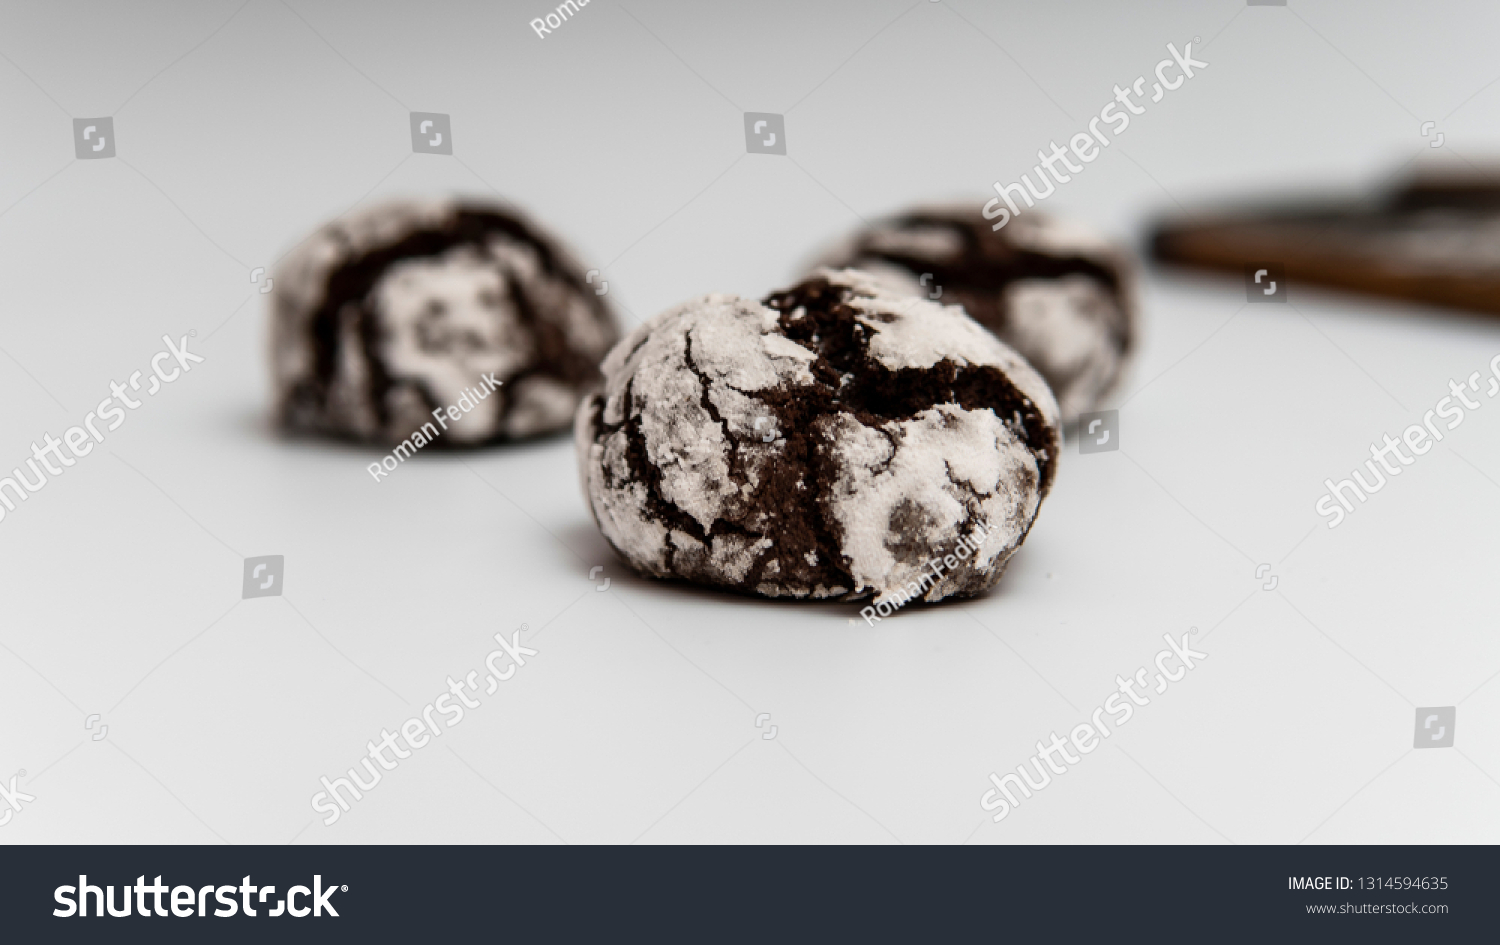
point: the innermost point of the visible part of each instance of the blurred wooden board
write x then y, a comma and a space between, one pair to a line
1437, 240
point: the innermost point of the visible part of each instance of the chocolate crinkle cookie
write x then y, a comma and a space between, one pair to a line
1056, 292
829, 441
385, 317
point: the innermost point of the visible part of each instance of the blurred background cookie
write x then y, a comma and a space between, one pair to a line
1056, 292
381, 318
829, 441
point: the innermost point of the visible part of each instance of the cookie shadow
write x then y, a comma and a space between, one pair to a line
585, 540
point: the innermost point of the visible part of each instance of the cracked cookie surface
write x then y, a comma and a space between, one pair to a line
825, 442
383, 317
1056, 292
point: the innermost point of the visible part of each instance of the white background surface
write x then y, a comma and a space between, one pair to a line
241, 127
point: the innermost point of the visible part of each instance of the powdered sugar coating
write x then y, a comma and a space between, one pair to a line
826, 442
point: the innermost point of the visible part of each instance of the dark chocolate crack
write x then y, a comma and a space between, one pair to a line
848, 379
981, 266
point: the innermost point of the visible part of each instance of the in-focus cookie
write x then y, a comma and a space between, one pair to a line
1057, 293
826, 442
382, 318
